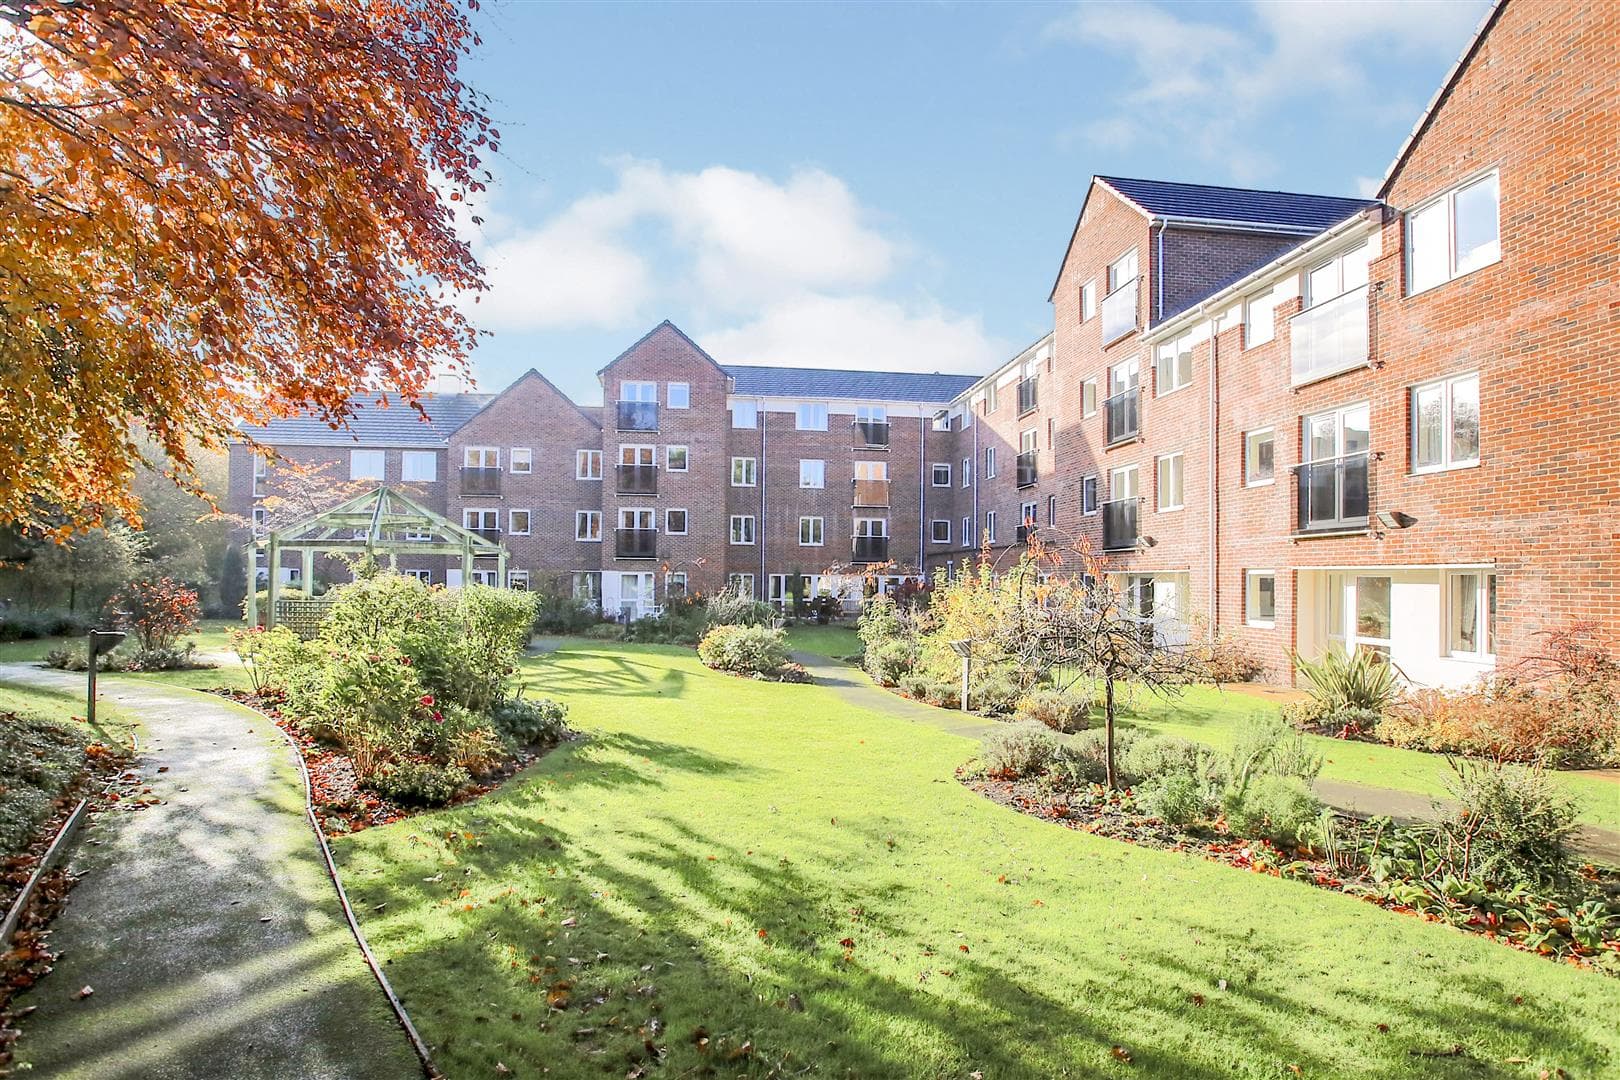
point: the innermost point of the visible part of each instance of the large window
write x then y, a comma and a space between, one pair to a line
1168, 487
1471, 613
812, 473
419, 465
811, 416
365, 464
742, 528
1345, 271
1172, 369
1260, 598
744, 471
810, 532
1445, 424
1373, 614
481, 457
1259, 457
587, 464
1454, 235
744, 414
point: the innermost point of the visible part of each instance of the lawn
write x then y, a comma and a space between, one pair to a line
757, 879
210, 636
835, 640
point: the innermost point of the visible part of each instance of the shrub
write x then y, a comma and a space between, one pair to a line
1266, 746
1360, 680
1082, 759
1060, 710
40, 760
995, 693
1179, 799
677, 626
1512, 825
159, 611
923, 687
605, 631
531, 721
1227, 660
1019, 750
563, 613
1281, 809
879, 623
75, 656
890, 661
1154, 756
419, 783
171, 658
1562, 724
758, 651
733, 607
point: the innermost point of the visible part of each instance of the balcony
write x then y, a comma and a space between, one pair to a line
1119, 525
1333, 496
637, 479
1122, 412
871, 433
871, 549
1023, 533
637, 415
1329, 338
1119, 312
635, 543
1026, 469
480, 481
492, 535
1028, 396
871, 493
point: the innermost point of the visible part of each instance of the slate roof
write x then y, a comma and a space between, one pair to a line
860, 385
396, 425
1205, 202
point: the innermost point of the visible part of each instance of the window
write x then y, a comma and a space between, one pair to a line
637, 517
990, 525
991, 397
1028, 441
484, 521
1088, 397
810, 416
588, 586
942, 474
1454, 235
1173, 368
261, 469
517, 522
1029, 514
1373, 614
744, 414
675, 522
484, 577
810, 530
419, 465
989, 462
967, 530
942, 421
675, 458
967, 471
743, 471
517, 579
1340, 274
1122, 483
365, 464
637, 454
1259, 457
1260, 598
588, 525
1171, 469
1122, 271
1471, 613
522, 459
742, 528
481, 457
1088, 495
1124, 377
1051, 509
639, 391
261, 517
1088, 300
675, 584
424, 576
940, 530
742, 584
679, 395
871, 414
1259, 319
812, 473
587, 464
1445, 424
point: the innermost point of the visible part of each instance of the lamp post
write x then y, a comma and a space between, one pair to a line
99, 642
964, 649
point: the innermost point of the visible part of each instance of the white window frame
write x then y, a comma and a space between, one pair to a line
1446, 386
744, 415
810, 416
1251, 580
1259, 332
1177, 463
1449, 199
481, 457
584, 460
669, 460
1170, 377
511, 522
409, 457
967, 531
1029, 513
934, 472
678, 395
520, 460
1092, 504
468, 516
261, 473
356, 456
817, 530
967, 472
817, 476
742, 525
1051, 509
1249, 443
583, 519
750, 472
989, 463
671, 579
669, 526
933, 531
517, 579
1088, 397
740, 583
641, 391
424, 576
1486, 586
261, 517
990, 524
1088, 301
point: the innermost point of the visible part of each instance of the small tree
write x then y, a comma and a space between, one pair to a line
159, 612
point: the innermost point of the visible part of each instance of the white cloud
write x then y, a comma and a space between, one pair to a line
861, 332
1208, 85
1367, 186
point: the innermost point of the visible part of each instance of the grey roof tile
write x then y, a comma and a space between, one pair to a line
858, 385
1206, 202
393, 424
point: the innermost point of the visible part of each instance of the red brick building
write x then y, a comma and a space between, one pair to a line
1302, 420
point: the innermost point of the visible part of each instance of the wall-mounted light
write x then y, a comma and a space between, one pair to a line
1395, 519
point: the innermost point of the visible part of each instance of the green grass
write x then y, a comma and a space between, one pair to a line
210, 636
1210, 715
640, 865
833, 640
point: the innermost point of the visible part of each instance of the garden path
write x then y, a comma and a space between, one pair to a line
205, 925
857, 689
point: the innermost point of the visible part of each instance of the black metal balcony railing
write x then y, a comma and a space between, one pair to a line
637, 415
1119, 525
491, 534
871, 549
871, 493
1329, 338
1333, 495
1122, 411
1119, 311
1024, 532
636, 543
1028, 396
478, 481
637, 479
1026, 469
872, 433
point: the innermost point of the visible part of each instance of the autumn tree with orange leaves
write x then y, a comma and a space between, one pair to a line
215, 211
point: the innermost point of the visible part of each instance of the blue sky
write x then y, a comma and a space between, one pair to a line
841, 185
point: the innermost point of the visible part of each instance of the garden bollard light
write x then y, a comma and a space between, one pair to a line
99, 642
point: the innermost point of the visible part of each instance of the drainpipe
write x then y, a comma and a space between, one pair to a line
1158, 273
1214, 476
973, 471
761, 585
922, 492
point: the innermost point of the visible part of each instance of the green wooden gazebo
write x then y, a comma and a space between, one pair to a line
381, 522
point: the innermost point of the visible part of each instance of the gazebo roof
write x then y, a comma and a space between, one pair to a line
383, 520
